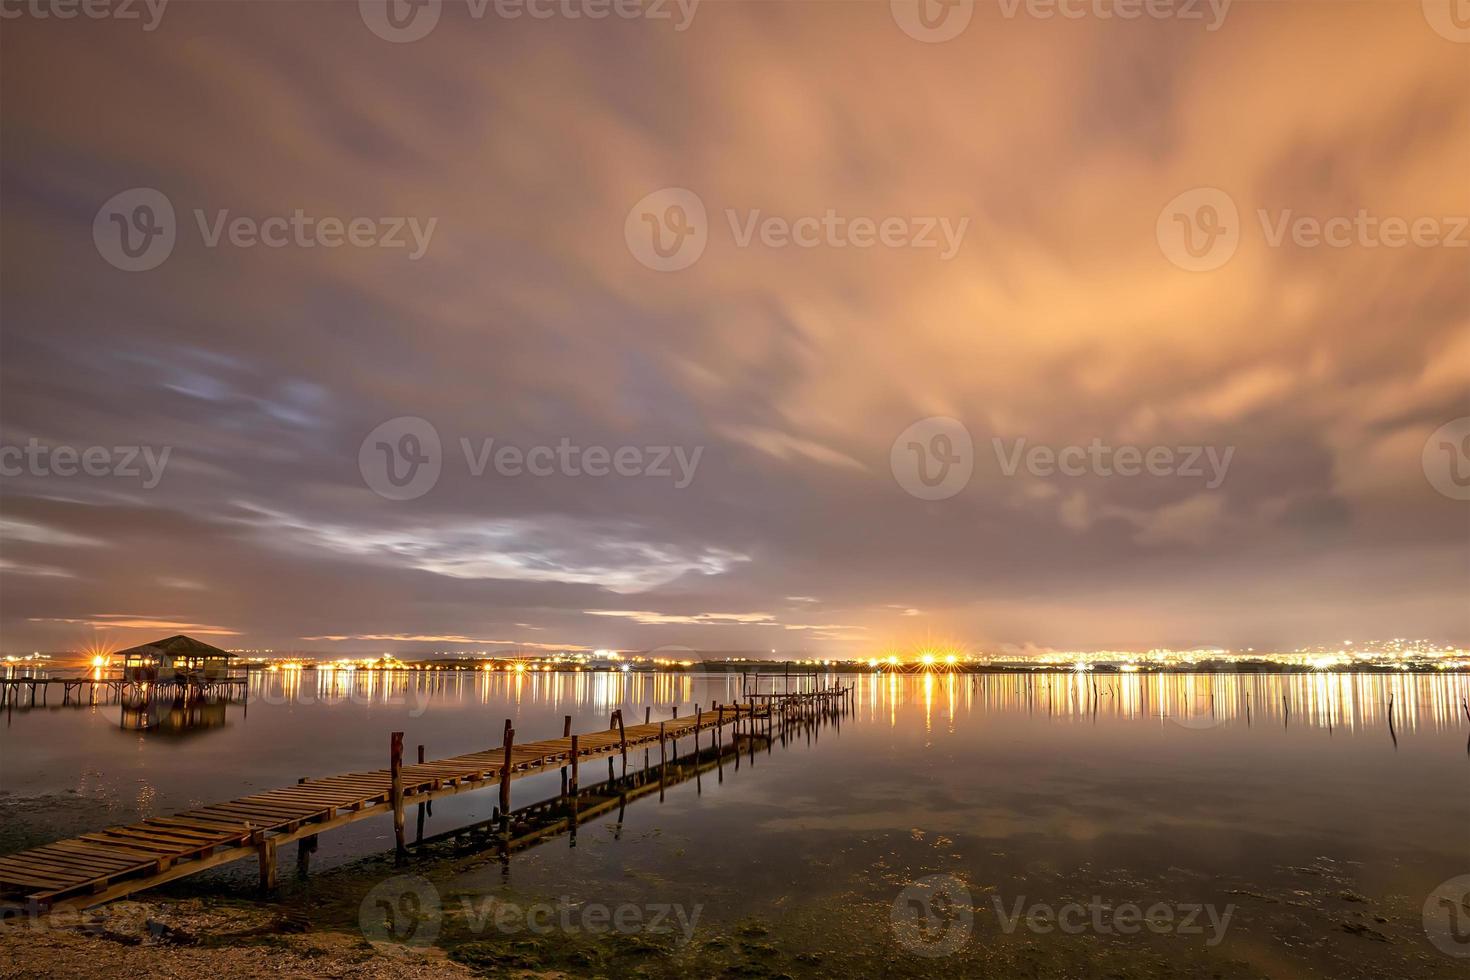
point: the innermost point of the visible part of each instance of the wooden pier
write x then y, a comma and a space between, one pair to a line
79, 690
108, 864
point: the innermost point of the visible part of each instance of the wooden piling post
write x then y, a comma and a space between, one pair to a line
266, 850
510, 738
566, 732
305, 847
395, 769
647, 713
622, 739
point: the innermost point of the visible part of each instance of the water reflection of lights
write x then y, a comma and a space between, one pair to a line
416, 688
1329, 701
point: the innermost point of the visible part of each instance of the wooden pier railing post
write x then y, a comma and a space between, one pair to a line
395, 771
647, 713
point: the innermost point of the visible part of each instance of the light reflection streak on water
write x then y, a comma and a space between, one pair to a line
1329, 701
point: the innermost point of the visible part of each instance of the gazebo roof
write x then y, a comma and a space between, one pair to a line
177, 646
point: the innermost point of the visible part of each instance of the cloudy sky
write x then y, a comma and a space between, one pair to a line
712, 273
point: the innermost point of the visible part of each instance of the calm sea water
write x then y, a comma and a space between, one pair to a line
1310, 818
